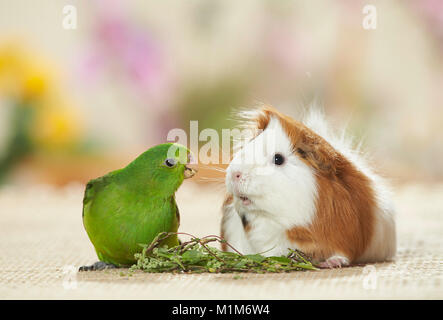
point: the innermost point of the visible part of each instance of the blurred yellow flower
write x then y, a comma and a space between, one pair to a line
56, 127
29, 80
34, 85
22, 74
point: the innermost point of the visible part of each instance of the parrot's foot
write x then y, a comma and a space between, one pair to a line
99, 265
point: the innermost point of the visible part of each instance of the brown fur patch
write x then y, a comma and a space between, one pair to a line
246, 224
310, 147
228, 199
344, 219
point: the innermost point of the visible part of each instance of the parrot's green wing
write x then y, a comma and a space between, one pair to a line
94, 186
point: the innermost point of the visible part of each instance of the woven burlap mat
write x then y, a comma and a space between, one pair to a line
42, 243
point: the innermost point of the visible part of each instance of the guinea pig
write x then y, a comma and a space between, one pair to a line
296, 184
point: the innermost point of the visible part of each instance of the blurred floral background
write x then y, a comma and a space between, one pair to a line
77, 103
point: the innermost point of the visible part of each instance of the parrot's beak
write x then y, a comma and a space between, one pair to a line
190, 171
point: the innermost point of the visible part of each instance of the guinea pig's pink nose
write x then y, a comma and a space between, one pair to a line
236, 175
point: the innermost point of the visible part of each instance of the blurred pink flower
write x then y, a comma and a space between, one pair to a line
119, 43
432, 10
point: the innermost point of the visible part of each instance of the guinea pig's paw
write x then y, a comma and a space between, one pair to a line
334, 262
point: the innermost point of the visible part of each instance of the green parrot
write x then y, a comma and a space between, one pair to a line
131, 206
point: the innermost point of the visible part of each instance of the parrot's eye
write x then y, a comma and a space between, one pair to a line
170, 162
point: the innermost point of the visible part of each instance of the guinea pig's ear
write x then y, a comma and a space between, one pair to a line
317, 152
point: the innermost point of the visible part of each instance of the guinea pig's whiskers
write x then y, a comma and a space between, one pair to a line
211, 180
214, 168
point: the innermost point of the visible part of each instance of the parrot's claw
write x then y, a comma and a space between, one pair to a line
99, 265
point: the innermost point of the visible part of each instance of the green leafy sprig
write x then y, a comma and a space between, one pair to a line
196, 256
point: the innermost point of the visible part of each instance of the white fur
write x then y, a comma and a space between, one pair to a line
284, 196
233, 230
281, 196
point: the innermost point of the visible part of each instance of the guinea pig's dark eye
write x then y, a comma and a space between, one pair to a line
170, 162
278, 159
